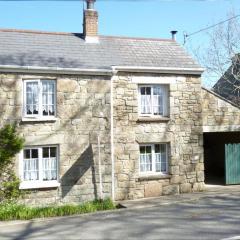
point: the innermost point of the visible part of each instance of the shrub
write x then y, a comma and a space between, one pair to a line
10, 145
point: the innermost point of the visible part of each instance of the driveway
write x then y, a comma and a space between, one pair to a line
210, 216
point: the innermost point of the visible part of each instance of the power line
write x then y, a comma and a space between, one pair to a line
204, 29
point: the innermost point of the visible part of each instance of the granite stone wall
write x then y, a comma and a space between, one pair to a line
219, 115
83, 109
182, 131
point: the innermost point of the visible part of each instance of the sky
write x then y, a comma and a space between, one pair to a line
136, 18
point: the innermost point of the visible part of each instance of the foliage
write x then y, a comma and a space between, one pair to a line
10, 189
220, 49
10, 145
13, 211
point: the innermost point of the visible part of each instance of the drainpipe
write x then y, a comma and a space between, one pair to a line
112, 139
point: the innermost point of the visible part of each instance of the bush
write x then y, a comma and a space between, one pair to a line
10, 145
14, 211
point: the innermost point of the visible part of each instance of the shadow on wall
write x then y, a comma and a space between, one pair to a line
75, 174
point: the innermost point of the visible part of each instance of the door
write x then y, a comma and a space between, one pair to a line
232, 163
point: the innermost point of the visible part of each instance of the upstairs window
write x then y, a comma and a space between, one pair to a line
153, 100
39, 98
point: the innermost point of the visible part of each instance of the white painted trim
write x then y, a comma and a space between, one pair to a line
227, 128
166, 100
154, 80
39, 119
153, 172
167, 70
39, 116
54, 70
38, 184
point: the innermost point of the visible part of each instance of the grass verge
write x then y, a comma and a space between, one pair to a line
14, 211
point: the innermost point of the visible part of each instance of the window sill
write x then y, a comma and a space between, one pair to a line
153, 119
40, 119
147, 177
39, 184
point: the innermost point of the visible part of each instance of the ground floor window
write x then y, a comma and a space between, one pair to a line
154, 158
39, 164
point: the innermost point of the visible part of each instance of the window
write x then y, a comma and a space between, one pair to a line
39, 98
39, 164
153, 100
154, 158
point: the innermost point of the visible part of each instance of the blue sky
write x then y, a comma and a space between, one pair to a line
140, 18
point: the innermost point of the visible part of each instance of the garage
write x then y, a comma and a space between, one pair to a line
222, 157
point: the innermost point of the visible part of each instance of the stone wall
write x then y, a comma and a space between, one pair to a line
183, 132
80, 101
219, 115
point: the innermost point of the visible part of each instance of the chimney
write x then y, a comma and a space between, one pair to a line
174, 35
90, 23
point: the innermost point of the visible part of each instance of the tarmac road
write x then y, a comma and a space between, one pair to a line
215, 216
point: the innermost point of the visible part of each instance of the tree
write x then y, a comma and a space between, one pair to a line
220, 56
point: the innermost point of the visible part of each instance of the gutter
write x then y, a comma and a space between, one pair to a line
87, 71
54, 70
166, 70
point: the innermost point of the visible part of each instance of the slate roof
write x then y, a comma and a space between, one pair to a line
228, 86
69, 50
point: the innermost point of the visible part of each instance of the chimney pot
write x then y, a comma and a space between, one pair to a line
174, 35
90, 4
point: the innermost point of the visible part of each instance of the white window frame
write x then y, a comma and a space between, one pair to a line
40, 103
165, 100
34, 184
154, 159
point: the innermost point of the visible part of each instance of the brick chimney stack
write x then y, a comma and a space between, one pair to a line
90, 22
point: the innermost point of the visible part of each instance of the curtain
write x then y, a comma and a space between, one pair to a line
49, 168
161, 159
48, 97
32, 98
145, 104
158, 100
31, 169
145, 162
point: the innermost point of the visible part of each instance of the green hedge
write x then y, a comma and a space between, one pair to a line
14, 211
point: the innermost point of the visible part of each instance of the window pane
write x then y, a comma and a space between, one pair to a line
34, 153
53, 152
148, 149
48, 98
142, 149
145, 158
30, 165
161, 157
49, 164
145, 100
26, 153
46, 152
157, 100
32, 93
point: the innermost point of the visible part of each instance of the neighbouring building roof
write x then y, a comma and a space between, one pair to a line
228, 86
70, 50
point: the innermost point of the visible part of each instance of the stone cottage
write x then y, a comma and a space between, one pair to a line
104, 116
